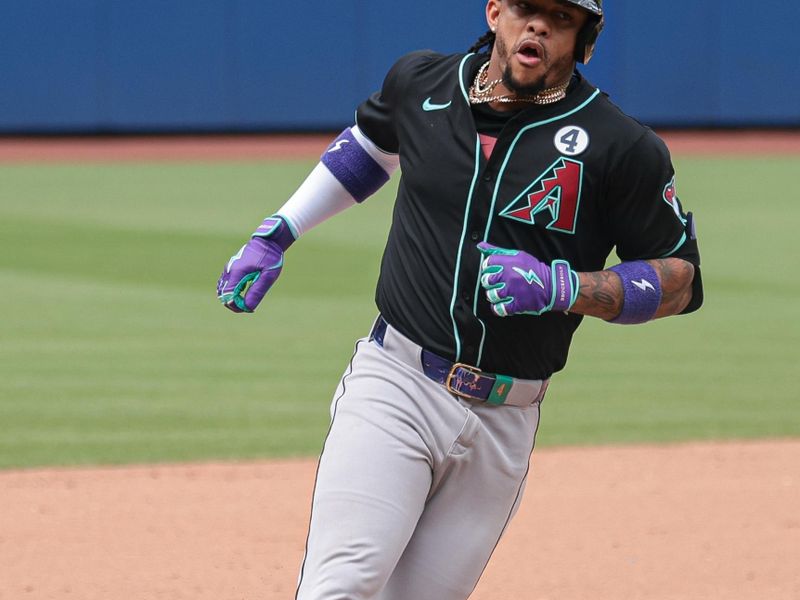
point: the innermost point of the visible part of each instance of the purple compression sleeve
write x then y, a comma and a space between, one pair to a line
642, 292
353, 167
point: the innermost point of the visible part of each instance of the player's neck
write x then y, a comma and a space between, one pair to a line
489, 88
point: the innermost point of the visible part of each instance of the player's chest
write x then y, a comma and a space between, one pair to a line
550, 179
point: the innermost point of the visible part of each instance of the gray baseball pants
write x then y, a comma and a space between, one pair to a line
414, 486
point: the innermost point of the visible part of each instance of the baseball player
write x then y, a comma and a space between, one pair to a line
519, 178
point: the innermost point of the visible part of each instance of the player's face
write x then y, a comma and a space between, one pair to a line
535, 42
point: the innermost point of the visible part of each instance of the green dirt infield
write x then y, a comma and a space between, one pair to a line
114, 349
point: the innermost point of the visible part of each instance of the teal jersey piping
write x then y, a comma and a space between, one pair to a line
456, 335
461, 77
578, 108
677, 247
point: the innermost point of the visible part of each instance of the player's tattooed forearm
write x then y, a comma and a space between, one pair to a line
604, 299
600, 295
676, 277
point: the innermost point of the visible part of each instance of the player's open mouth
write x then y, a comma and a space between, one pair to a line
530, 53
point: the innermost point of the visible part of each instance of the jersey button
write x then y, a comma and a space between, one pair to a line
487, 177
466, 296
475, 236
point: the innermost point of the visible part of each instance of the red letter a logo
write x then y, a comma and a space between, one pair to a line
557, 190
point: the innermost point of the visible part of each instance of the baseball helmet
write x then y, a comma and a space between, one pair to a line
587, 37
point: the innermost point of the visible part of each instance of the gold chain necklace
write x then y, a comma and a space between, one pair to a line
481, 91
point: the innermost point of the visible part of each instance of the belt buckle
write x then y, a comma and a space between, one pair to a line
475, 371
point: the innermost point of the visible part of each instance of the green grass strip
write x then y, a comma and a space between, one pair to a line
113, 348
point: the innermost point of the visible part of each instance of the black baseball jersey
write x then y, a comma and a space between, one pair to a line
569, 180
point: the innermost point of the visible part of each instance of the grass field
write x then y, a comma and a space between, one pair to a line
113, 348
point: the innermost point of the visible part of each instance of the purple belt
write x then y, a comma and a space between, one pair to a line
470, 382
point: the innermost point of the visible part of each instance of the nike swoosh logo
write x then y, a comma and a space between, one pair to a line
428, 106
643, 285
338, 145
530, 276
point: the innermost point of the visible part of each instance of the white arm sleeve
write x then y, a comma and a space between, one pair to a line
322, 196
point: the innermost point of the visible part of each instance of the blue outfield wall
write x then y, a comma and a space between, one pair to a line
88, 66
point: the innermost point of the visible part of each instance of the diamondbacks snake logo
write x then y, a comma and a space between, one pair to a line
671, 197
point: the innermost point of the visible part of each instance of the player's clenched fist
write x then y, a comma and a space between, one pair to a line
251, 272
518, 283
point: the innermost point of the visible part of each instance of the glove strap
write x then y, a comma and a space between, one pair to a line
565, 285
276, 229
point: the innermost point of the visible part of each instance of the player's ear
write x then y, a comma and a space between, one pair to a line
492, 13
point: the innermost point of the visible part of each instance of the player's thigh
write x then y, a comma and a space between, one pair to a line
464, 519
374, 476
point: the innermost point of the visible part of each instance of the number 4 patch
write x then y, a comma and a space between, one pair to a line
571, 140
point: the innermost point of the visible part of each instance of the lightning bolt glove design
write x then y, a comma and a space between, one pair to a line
517, 283
252, 271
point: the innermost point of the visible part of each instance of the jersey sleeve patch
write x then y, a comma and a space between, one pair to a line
670, 196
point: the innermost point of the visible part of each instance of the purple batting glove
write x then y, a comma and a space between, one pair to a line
517, 283
250, 273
